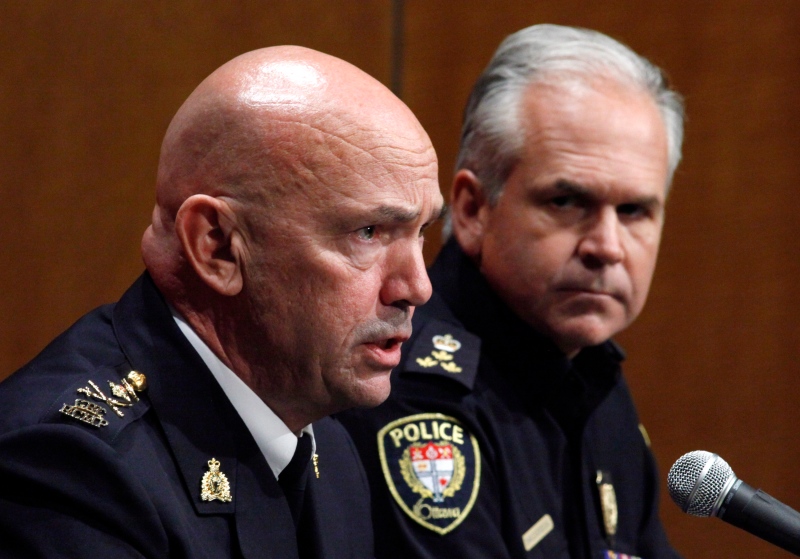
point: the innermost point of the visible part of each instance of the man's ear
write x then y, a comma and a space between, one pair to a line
211, 242
469, 212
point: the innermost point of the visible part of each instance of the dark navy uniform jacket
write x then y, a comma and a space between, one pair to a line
131, 487
494, 444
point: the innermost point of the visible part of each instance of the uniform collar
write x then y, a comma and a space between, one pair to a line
467, 293
529, 360
199, 422
473, 302
275, 440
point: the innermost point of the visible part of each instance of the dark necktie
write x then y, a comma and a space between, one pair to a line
294, 476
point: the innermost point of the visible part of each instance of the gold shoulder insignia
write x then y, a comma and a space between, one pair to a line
444, 349
442, 355
446, 345
426, 362
451, 367
86, 411
124, 396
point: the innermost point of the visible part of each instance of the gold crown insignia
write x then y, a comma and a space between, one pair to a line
446, 343
215, 484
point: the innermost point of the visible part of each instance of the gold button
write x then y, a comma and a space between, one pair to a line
137, 380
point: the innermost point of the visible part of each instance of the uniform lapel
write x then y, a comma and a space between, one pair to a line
200, 424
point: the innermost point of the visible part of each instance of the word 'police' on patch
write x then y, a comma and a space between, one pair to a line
432, 466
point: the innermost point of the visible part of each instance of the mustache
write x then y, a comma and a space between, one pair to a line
397, 325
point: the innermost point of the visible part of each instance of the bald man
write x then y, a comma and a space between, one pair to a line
284, 263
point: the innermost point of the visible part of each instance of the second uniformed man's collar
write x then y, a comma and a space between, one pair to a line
276, 442
468, 295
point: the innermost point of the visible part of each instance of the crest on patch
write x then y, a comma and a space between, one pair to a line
432, 466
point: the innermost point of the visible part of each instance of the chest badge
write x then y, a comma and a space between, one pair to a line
608, 504
432, 467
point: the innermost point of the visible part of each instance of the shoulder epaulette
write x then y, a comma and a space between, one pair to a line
444, 349
109, 400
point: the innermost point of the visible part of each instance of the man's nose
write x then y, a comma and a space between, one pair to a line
601, 244
406, 283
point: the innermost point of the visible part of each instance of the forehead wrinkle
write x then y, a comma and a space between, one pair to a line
379, 139
397, 214
378, 145
367, 154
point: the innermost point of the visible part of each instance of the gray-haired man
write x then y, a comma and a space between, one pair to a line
510, 431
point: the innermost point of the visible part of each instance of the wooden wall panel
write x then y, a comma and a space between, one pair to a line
87, 90
713, 361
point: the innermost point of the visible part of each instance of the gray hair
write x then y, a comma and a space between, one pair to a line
491, 135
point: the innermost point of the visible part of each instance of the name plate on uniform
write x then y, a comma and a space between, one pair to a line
537, 532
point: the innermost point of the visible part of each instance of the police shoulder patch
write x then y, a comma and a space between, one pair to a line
441, 348
432, 466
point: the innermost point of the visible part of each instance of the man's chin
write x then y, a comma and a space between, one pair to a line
368, 392
579, 333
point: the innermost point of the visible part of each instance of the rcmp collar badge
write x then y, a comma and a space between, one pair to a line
432, 466
215, 484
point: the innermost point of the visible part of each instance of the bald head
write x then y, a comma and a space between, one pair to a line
292, 193
258, 112
263, 125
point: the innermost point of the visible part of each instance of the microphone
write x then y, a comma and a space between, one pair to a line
703, 484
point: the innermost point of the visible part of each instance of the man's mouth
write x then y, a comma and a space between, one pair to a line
591, 291
388, 344
385, 352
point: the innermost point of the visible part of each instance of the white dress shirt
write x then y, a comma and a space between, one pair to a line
273, 437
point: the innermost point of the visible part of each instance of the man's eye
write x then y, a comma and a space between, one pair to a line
564, 201
631, 210
367, 233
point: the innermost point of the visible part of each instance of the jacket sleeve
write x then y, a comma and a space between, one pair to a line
64, 493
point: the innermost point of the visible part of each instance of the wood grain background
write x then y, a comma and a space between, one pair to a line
87, 89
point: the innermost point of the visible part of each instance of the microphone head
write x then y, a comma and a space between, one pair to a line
698, 481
